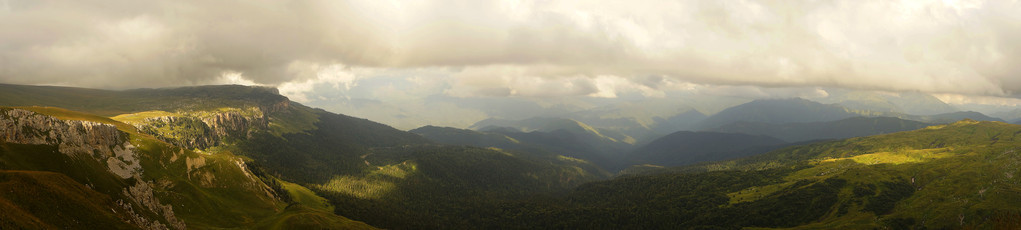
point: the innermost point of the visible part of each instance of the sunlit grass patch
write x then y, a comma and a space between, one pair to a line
364, 188
898, 157
501, 151
306, 197
374, 184
572, 159
756, 192
399, 171
139, 118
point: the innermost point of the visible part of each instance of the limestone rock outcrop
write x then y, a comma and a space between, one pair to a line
73, 137
87, 140
202, 132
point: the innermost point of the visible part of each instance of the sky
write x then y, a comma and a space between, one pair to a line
414, 62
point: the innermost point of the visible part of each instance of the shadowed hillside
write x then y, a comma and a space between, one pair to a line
685, 147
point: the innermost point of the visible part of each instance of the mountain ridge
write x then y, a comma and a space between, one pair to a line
687, 147
776, 111
839, 129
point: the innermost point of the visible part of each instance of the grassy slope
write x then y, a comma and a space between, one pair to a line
333, 147
304, 196
960, 175
47, 200
438, 187
299, 217
297, 141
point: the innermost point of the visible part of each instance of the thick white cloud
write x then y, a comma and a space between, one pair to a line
526, 48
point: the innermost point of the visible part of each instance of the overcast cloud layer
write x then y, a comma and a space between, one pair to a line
522, 48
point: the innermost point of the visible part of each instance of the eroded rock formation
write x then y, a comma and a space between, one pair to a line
97, 141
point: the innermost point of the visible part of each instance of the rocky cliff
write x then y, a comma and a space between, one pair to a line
87, 140
73, 137
201, 130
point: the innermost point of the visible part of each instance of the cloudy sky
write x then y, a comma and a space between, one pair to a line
421, 61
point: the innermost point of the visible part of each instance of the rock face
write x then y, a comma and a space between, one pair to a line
86, 140
232, 124
203, 131
72, 137
180, 131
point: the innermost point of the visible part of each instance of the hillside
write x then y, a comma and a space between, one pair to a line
89, 162
960, 175
536, 144
685, 147
443, 187
30, 198
246, 157
840, 129
296, 142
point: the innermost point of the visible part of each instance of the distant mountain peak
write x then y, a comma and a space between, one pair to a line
777, 111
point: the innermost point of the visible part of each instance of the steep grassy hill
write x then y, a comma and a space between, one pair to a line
41, 200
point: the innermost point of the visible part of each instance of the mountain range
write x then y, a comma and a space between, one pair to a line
214, 157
